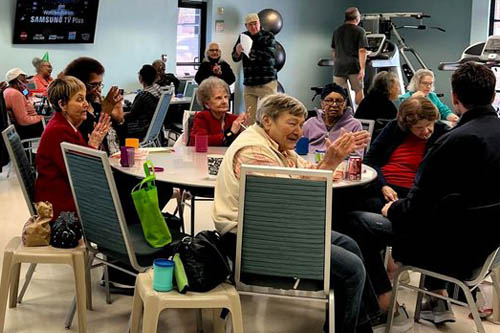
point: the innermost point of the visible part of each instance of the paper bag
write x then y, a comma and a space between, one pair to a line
36, 232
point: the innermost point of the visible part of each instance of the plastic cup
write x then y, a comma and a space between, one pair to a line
127, 156
201, 143
132, 142
163, 272
214, 161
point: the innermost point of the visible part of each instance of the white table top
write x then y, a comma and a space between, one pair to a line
186, 168
175, 100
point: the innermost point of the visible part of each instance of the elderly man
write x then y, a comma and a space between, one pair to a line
463, 204
349, 45
271, 142
258, 67
332, 119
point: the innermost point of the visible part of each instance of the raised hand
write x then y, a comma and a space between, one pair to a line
100, 130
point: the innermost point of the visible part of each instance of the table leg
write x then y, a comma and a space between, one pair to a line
193, 199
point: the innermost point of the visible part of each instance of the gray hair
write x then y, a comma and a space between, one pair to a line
208, 47
351, 13
37, 62
276, 104
417, 78
204, 92
383, 82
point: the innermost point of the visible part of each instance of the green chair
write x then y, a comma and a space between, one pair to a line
284, 234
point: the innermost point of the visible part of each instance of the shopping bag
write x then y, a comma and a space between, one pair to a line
145, 197
36, 232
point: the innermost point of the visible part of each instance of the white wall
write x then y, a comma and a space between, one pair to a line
129, 34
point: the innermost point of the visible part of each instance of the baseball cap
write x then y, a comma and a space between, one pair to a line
13, 74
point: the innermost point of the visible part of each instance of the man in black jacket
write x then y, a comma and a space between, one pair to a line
259, 70
450, 220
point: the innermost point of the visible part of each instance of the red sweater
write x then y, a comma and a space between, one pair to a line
205, 124
403, 164
52, 183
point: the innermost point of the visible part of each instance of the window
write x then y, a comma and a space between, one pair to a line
495, 18
191, 32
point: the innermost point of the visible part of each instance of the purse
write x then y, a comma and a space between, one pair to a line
66, 231
145, 197
36, 232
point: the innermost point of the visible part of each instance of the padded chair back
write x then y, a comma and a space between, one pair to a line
4, 123
284, 224
194, 106
24, 171
158, 118
189, 89
97, 201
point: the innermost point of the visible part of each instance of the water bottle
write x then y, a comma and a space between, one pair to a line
172, 89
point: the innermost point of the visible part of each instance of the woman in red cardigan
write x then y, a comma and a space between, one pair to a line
215, 121
67, 98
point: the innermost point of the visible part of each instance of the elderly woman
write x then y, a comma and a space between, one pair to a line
213, 65
67, 98
91, 73
165, 79
398, 150
28, 123
42, 79
422, 84
332, 119
271, 141
215, 121
378, 103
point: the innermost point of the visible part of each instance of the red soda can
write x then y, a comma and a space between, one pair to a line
354, 170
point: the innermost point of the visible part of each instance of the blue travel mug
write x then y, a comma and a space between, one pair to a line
163, 271
302, 146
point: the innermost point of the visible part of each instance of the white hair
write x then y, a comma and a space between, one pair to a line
417, 78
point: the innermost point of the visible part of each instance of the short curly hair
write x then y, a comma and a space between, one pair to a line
204, 92
415, 109
82, 67
276, 104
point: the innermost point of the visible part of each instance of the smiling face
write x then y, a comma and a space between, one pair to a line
423, 129
333, 106
253, 27
75, 111
285, 130
218, 103
94, 86
425, 84
213, 51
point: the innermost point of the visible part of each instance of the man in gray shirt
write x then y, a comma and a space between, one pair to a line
349, 53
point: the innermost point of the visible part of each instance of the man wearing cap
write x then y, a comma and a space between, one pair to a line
28, 123
332, 119
259, 70
349, 45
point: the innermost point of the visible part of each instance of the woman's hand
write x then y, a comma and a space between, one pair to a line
109, 103
216, 69
389, 193
236, 126
100, 131
347, 143
418, 94
239, 49
452, 117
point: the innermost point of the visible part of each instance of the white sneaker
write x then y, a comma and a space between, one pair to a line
401, 322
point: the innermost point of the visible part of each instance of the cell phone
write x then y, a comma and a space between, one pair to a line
120, 91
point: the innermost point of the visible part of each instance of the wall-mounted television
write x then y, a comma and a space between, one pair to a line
55, 21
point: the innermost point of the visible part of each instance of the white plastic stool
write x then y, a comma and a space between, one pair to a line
222, 296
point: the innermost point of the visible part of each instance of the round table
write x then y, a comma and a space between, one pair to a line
186, 169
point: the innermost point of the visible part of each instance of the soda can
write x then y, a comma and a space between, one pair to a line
318, 155
354, 169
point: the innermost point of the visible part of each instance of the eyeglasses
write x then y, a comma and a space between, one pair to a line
95, 85
427, 84
213, 50
333, 101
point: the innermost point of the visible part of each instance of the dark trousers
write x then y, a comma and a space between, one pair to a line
355, 300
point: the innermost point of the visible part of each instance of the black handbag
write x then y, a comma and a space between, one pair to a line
66, 231
205, 263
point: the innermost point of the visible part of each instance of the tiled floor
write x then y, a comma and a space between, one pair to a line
51, 290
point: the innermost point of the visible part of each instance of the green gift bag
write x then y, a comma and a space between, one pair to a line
145, 196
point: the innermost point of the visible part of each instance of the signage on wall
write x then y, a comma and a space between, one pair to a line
51, 21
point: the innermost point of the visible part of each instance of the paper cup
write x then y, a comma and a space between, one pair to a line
214, 162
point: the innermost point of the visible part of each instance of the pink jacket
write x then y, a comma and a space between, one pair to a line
22, 109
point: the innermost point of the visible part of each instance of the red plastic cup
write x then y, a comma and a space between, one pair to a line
201, 143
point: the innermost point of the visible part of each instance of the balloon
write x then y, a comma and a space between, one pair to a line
271, 20
280, 88
279, 56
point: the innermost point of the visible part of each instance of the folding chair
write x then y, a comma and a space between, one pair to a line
284, 234
152, 137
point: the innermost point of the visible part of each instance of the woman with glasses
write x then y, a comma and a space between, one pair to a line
332, 120
422, 84
43, 68
213, 65
91, 72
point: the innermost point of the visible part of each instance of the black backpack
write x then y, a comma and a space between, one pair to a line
205, 263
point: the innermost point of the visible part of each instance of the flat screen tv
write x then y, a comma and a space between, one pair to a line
55, 21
